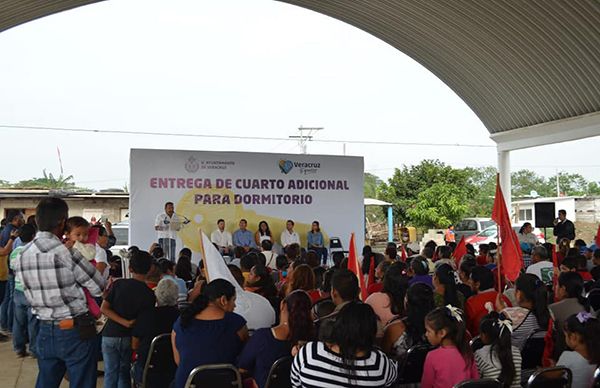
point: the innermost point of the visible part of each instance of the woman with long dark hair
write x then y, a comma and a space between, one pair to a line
570, 300
532, 312
498, 359
316, 242
389, 303
268, 345
261, 282
263, 233
302, 278
404, 332
350, 359
444, 284
208, 332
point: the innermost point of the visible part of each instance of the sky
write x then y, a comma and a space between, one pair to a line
256, 68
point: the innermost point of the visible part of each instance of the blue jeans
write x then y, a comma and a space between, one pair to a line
61, 351
7, 308
116, 352
168, 245
321, 253
25, 325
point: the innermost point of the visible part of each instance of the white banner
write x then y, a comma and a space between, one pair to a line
206, 186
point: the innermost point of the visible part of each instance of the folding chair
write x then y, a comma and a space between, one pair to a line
160, 367
411, 370
214, 375
335, 245
596, 383
533, 350
559, 377
476, 343
479, 383
279, 375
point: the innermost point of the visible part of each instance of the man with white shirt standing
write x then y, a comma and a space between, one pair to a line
222, 238
288, 236
167, 225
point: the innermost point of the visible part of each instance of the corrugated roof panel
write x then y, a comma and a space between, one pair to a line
515, 63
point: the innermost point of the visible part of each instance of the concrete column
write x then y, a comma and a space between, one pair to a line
505, 181
390, 217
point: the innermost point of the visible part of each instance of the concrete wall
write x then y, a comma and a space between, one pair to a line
85, 207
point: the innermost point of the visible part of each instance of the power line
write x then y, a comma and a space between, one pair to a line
259, 138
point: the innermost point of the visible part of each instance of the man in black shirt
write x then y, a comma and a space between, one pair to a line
563, 228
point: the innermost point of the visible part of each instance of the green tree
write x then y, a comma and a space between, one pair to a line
370, 185
48, 181
481, 190
438, 206
526, 181
569, 184
404, 187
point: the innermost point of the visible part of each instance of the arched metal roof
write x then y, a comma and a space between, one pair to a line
515, 63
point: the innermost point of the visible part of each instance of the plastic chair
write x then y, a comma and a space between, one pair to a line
559, 377
279, 375
533, 350
476, 343
479, 383
214, 375
335, 245
411, 369
596, 383
160, 367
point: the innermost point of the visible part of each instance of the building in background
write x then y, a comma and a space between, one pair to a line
114, 205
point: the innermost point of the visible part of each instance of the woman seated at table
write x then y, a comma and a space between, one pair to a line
208, 332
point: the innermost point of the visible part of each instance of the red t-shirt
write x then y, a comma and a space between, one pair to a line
482, 260
586, 276
475, 309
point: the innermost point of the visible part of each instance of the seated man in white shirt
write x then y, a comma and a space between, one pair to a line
222, 238
541, 267
288, 236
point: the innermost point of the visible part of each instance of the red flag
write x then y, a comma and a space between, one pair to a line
403, 254
555, 272
597, 239
460, 251
371, 278
511, 257
354, 266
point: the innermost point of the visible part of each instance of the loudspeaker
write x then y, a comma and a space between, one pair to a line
545, 213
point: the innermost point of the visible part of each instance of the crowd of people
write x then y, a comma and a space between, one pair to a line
66, 299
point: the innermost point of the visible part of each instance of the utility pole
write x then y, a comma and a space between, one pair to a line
305, 136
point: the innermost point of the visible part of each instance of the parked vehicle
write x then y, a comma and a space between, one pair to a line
121, 232
491, 235
471, 226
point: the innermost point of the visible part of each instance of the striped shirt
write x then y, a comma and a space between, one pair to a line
53, 278
489, 365
315, 366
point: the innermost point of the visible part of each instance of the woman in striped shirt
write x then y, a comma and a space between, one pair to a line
350, 360
532, 314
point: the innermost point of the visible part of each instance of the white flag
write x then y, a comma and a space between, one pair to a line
257, 310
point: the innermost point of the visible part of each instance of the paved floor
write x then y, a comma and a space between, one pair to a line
20, 372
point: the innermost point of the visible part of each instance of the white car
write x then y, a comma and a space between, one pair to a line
121, 232
490, 234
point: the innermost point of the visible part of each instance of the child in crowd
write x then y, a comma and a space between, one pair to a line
77, 233
453, 361
498, 359
127, 300
582, 334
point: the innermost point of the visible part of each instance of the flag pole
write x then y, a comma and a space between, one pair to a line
499, 252
203, 253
